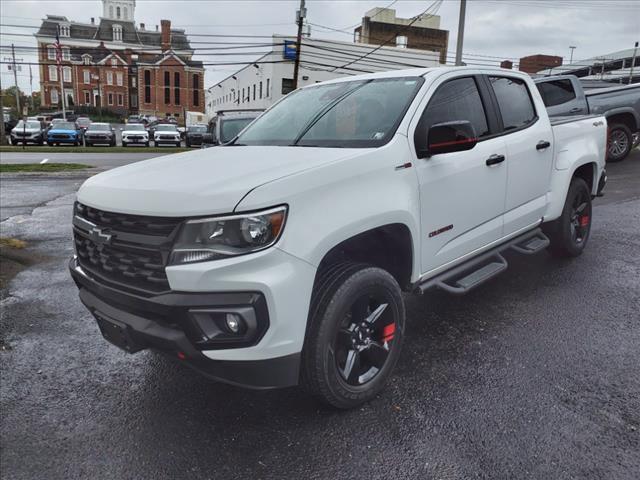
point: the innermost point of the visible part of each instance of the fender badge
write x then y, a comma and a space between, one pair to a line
441, 230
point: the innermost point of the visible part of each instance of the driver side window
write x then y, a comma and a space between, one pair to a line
455, 100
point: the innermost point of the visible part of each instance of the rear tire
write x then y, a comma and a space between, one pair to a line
569, 233
355, 333
620, 142
124, 144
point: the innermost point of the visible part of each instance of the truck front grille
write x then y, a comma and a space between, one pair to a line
124, 251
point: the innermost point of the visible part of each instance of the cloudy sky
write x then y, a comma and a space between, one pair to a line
495, 29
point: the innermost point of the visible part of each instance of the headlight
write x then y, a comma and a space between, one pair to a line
222, 237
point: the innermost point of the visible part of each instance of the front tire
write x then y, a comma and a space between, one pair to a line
569, 233
620, 142
124, 144
355, 334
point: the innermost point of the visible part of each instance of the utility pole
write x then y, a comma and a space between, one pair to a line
302, 13
571, 59
463, 10
2, 132
633, 61
15, 79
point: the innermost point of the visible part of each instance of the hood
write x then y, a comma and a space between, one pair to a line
27, 130
135, 132
202, 182
61, 130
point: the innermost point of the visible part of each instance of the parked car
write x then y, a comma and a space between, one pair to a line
64, 132
55, 121
565, 95
30, 131
227, 124
83, 123
135, 119
166, 133
281, 257
197, 135
134, 134
100, 134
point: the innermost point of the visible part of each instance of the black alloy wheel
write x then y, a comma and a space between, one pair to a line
364, 339
580, 220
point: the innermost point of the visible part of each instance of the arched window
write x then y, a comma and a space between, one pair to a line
118, 12
110, 11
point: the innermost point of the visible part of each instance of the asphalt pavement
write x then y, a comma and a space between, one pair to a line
534, 375
106, 159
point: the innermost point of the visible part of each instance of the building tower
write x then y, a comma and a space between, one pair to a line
123, 10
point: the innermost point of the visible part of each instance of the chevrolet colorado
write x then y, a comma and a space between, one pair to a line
280, 257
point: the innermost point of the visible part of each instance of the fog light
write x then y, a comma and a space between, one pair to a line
234, 322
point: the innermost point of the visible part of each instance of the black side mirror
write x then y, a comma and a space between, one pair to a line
448, 137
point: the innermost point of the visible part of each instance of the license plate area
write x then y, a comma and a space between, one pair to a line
117, 333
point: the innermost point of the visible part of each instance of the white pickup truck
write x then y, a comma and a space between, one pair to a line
280, 257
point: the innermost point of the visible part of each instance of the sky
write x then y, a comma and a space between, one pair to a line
495, 29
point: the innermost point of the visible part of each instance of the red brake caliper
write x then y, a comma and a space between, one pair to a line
388, 331
584, 220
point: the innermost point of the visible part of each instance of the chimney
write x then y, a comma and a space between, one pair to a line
156, 28
506, 64
93, 21
165, 26
142, 26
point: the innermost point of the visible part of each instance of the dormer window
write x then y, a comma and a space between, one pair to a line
86, 59
114, 62
65, 30
117, 33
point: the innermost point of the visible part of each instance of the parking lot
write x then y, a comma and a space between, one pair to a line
533, 375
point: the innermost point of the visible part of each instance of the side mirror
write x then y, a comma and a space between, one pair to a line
448, 137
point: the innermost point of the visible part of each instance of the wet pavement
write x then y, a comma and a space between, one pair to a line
536, 374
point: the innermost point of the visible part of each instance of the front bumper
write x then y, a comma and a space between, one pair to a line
28, 138
161, 323
69, 139
136, 139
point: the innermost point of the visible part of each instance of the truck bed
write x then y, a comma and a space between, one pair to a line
569, 119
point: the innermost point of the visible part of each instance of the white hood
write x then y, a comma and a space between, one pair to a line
202, 182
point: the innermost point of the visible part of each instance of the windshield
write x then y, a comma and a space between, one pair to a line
166, 128
198, 129
231, 127
138, 127
65, 126
83, 121
363, 113
98, 126
31, 125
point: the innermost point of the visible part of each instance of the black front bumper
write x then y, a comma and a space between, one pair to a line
157, 322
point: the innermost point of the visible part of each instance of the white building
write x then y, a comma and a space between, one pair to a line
264, 82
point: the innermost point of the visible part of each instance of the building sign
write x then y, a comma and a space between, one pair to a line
290, 50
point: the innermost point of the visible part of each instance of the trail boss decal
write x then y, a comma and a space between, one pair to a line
441, 230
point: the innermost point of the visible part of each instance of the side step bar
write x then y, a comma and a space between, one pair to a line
474, 272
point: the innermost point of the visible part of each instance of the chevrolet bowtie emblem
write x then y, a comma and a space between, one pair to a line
100, 236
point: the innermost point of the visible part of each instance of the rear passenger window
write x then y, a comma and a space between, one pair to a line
514, 101
455, 100
556, 92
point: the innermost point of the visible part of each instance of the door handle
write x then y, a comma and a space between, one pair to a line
542, 144
576, 110
494, 160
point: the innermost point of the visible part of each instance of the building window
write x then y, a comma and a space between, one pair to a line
176, 88
109, 78
126, 13
167, 88
133, 101
86, 59
267, 92
147, 86
86, 76
110, 98
70, 99
117, 33
114, 62
120, 100
51, 53
243, 95
196, 90
66, 74
87, 97
119, 80
287, 85
65, 31
133, 82
110, 11
53, 73
66, 55
118, 12
260, 89
54, 97
254, 92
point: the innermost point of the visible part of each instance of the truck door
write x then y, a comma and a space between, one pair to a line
461, 193
562, 97
529, 142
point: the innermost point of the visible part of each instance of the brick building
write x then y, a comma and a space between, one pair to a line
535, 63
118, 66
381, 24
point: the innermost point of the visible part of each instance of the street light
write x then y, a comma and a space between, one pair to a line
97, 77
571, 59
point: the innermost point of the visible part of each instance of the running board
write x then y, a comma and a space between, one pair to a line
474, 272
